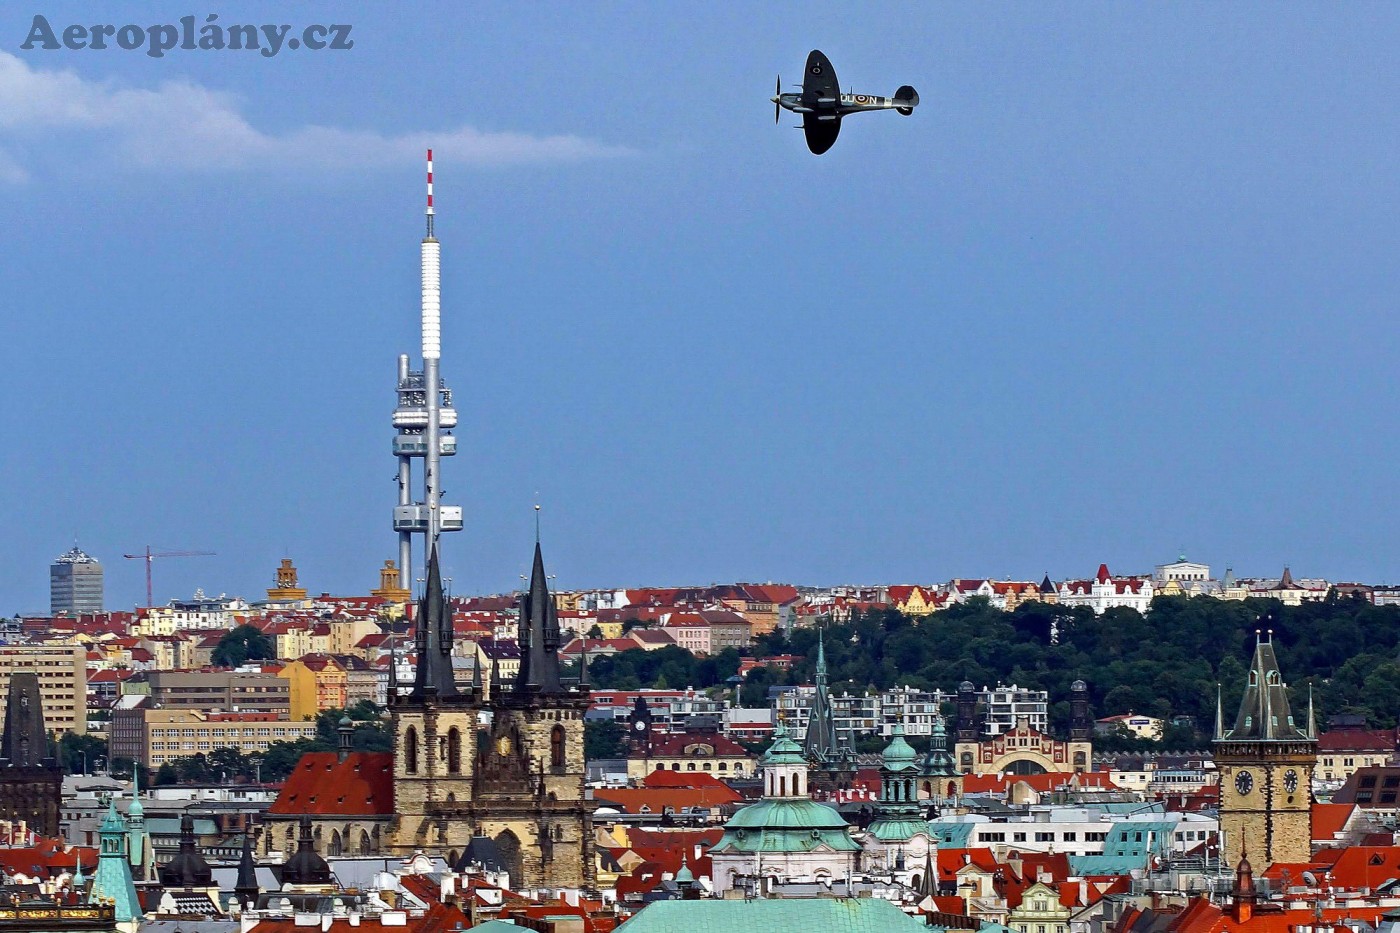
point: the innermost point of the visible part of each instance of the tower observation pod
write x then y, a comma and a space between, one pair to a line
424, 419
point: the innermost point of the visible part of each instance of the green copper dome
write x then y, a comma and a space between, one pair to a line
786, 824
783, 751
899, 755
898, 829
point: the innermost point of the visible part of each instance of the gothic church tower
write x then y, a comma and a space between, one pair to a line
435, 729
1266, 764
529, 781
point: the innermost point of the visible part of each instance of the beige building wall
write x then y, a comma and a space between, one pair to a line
171, 734
62, 671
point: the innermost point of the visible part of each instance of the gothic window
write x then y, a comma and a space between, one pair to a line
556, 747
454, 750
364, 843
335, 847
410, 750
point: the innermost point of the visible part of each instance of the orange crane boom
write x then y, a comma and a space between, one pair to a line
150, 556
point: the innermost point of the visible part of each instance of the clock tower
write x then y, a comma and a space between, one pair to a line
1266, 763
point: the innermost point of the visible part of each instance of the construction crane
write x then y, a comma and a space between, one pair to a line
150, 556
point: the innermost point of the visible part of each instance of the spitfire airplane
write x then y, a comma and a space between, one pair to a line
822, 104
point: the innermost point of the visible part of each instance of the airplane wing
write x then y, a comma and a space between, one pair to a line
820, 133
819, 85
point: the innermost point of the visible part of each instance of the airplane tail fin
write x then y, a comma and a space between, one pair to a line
906, 99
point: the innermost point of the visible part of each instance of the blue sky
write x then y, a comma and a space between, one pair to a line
1123, 285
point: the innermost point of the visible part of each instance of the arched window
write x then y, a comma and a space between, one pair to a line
335, 847
364, 843
556, 747
410, 750
454, 751
782, 785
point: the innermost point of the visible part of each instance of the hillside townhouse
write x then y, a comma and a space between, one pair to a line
689, 631
1106, 592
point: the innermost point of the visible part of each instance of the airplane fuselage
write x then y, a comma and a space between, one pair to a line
835, 108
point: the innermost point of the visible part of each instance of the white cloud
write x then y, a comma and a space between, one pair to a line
183, 125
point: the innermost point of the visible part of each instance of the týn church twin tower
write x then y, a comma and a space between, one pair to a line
518, 782
517, 785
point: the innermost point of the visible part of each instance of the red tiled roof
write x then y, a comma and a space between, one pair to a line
694, 779
667, 746
438, 918
1356, 740
661, 799
1329, 819
361, 785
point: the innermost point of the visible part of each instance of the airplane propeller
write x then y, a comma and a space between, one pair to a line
777, 95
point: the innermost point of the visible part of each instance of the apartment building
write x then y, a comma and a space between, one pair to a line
155, 736
62, 671
220, 691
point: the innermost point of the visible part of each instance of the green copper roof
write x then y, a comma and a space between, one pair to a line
783, 751
899, 755
112, 883
953, 835
897, 829
786, 824
786, 915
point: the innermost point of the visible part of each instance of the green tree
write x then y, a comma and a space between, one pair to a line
80, 754
166, 775
243, 644
605, 738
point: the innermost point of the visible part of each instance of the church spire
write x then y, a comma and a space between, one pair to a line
1219, 715
246, 889
1312, 715
539, 635
1264, 711
819, 744
433, 675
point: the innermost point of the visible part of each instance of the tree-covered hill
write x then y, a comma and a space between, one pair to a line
1165, 663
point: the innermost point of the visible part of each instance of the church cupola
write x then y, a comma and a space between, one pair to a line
1244, 893
306, 867
784, 767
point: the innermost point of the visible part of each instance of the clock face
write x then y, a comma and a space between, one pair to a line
503, 745
1244, 782
1290, 780
639, 726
